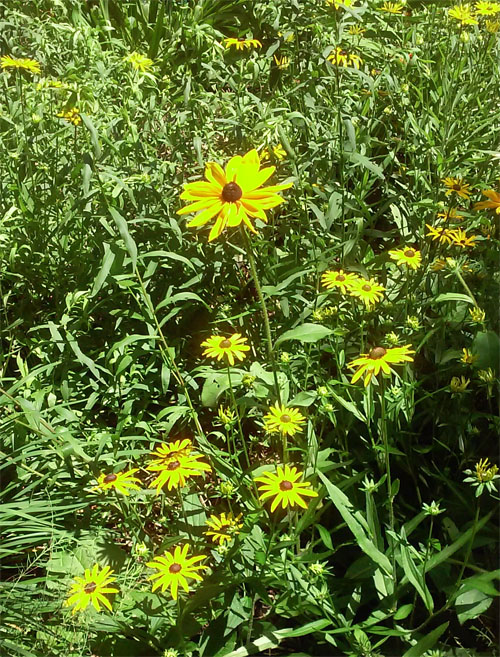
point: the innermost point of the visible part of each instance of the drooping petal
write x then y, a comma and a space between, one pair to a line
206, 215
215, 174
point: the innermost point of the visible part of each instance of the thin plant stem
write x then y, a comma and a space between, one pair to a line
236, 410
383, 430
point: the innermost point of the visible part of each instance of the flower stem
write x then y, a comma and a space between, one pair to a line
383, 431
236, 410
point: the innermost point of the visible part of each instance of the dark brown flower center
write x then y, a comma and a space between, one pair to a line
108, 479
90, 587
175, 568
457, 187
225, 344
285, 418
409, 253
340, 278
173, 465
232, 192
286, 485
367, 288
343, 53
377, 352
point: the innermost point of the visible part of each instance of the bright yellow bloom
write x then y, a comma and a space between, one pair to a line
222, 528
368, 291
171, 451
468, 357
408, 256
281, 62
283, 485
339, 279
485, 8
477, 315
232, 196
463, 14
341, 57
485, 471
120, 481
356, 30
457, 186
241, 44
492, 204
451, 215
31, 65
444, 235
174, 569
71, 116
91, 588
392, 7
174, 473
459, 384
279, 152
280, 419
379, 360
217, 346
459, 237
492, 26
139, 62
339, 3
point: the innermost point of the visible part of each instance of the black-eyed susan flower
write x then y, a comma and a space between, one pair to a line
172, 450
379, 360
460, 238
485, 8
282, 63
232, 196
341, 57
468, 358
217, 346
23, 63
223, 527
341, 3
338, 279
356, 30
175, 569
174, 473
493, 202
408, 256
457, 186
440, 233
284, 486
477, 315
123, 482
459, 384
451, 215
93, 588
463, 14
71, 115
284, 420
139, 62
392, 7
368, 291
241, 44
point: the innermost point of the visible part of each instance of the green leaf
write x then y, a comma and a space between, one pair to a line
471, 604
357, 158
305, 333
453, 296
413, 574
107, 262
486, 346
125, 235
426, 642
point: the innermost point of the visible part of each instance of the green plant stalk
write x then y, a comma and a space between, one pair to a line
465, 286
383, 427
267, 327
236, 410
181, 500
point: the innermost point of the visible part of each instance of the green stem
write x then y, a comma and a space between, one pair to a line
236, 410
383, 429
465, 286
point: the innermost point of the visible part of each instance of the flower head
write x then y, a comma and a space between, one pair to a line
279, 152
139, 62
227, 417
281, 62
340, 3
486, 376
175, 472
120, 481
463, 14
392, 7
284, 487
241, 44
407, 256
457, 186
368, 291
280, 419
174, 569
71, 115
341, 57
432, 509
379, 360
171, 451
492, 26
91, 588
217, 346
356, 30
492, 204
339, 279
440, 233
222, 528
486, 8
451, 215
31, 65
460, 238
459, 384
468, 357
232, 196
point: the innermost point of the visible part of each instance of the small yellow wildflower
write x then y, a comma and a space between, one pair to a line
477, 315
284, 420
460, 238
486, 8
493, 202
340, 3
463, 14
356, 30
407, 256
457, 186
392, 7
25, 64
281, 62
459, 384
241, 44
279, 152
341, 57
485, 471
71, 116
139, 62
468, 357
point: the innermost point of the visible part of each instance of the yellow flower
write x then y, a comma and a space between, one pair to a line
241, 44
232, 196
91, 588
457, 186
438, 265
71, 116
468, 357
459, 384
379, 360
407, 256
485, 471
492, 26
139, 62
226, 416
174, 473
485, 8
463, 14
356, 30
174, 569
444, 235
339, 3
171, 451
368, 291
486, 376
264, 155
120, 481
341, 57
459, 237
283, 485
279, 152
477, 315
217, 346
222, 528
281, 62
492, 204
281, 419
451, 215
392, 7
31, 65
340, 279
